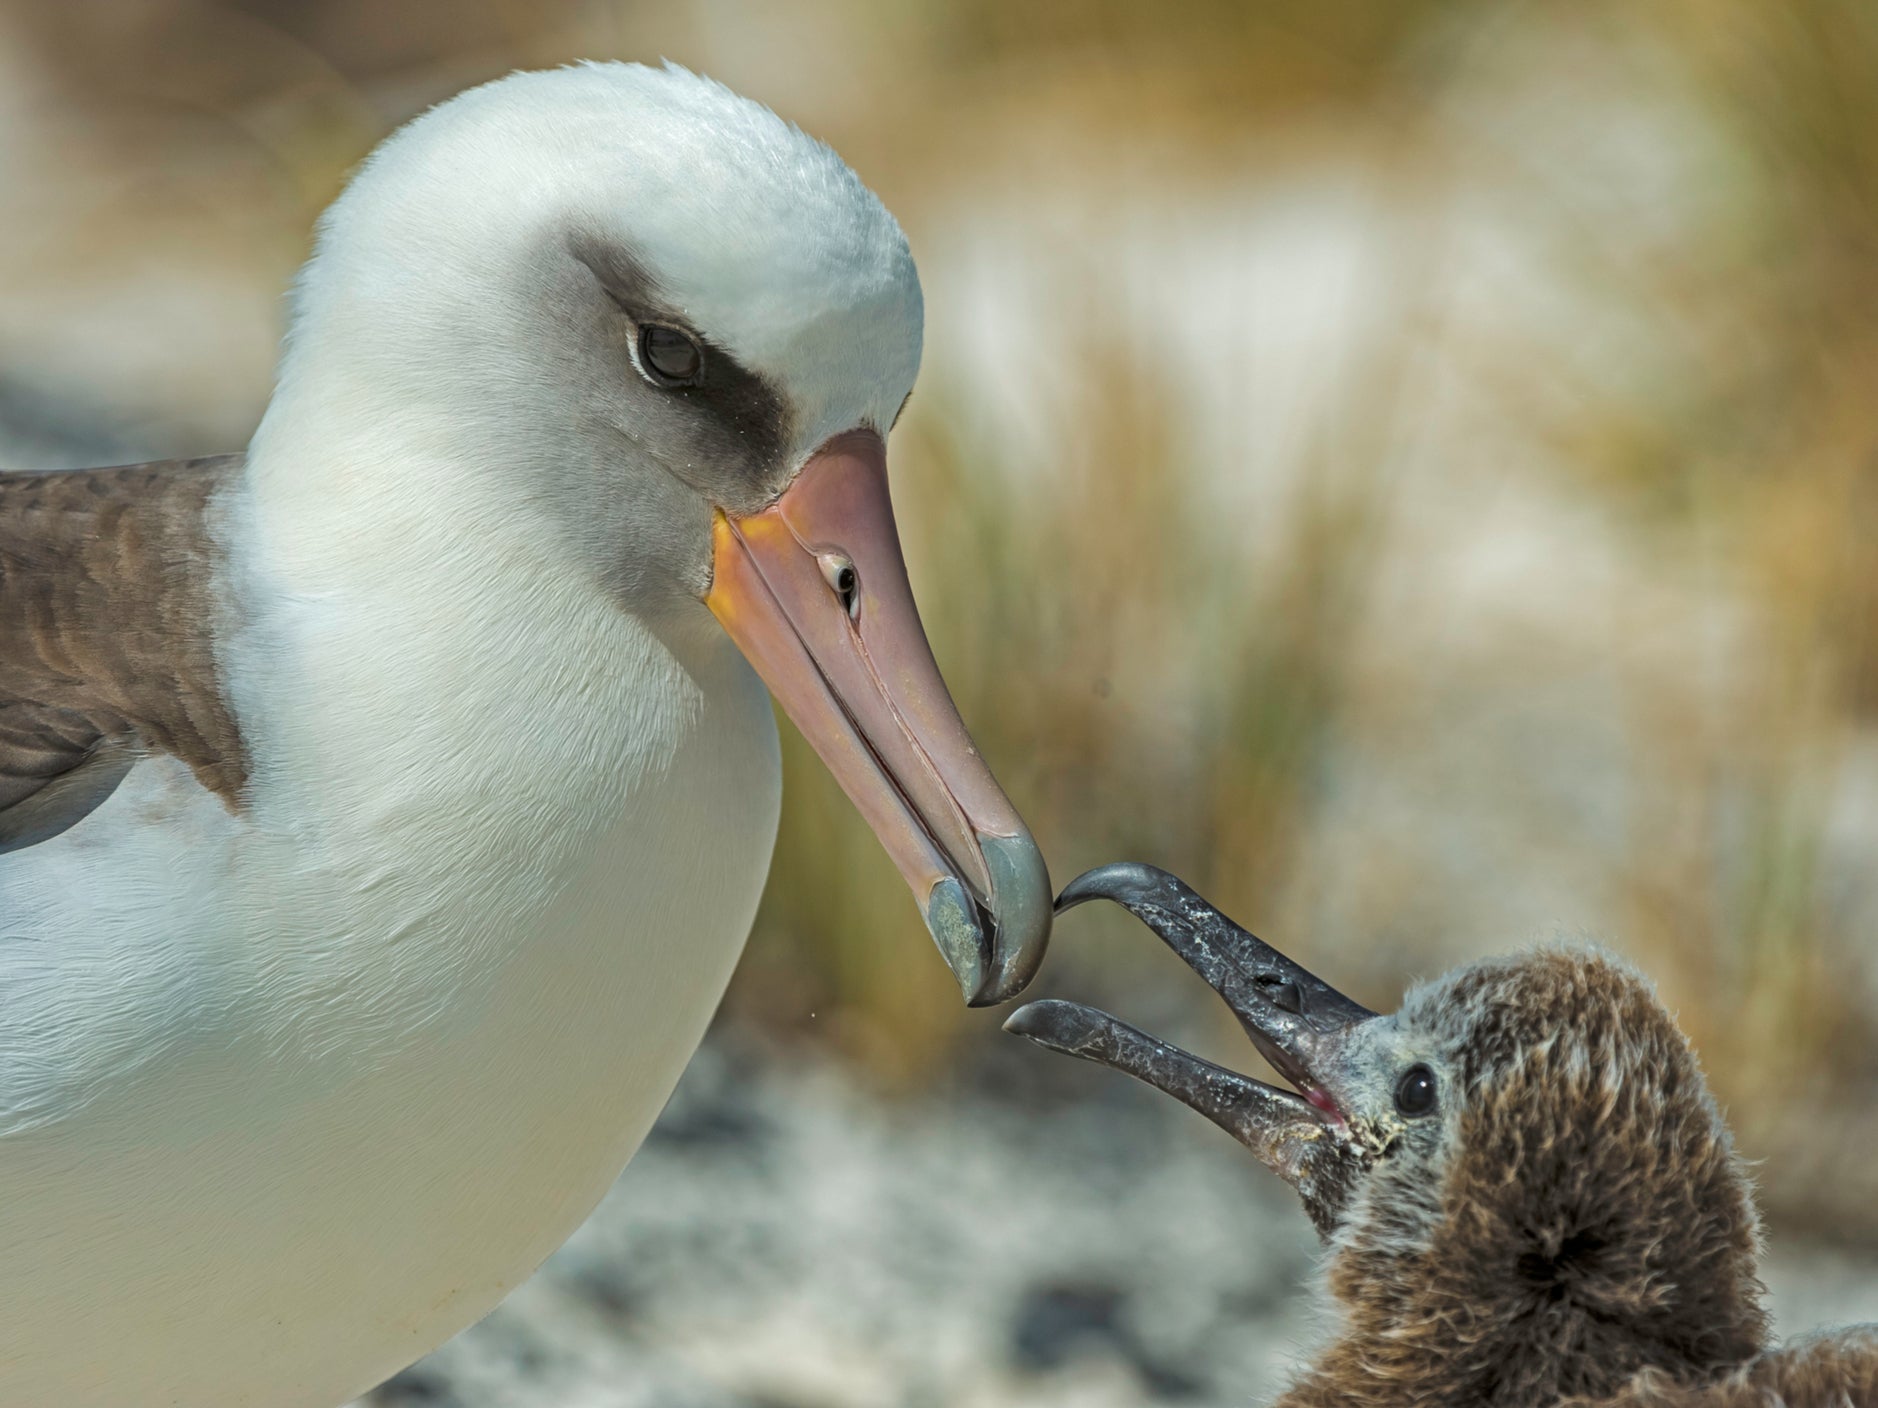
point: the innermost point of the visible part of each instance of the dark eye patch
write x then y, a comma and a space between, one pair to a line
725, 424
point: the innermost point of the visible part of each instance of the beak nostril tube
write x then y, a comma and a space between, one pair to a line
1284, 996
843, 580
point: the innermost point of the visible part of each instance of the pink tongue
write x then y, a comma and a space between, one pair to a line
1323, 1102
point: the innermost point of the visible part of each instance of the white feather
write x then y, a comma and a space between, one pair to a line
288, 1097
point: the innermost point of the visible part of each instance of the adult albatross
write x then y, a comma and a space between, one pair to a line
386, 808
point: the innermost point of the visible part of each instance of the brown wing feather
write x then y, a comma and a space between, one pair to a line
106, 649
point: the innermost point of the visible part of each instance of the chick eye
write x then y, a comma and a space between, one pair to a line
843, 581
1415, 1092
669, 357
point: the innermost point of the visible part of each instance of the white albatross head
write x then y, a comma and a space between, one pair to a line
668, 330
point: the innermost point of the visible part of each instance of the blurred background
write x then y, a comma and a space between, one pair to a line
1408, 466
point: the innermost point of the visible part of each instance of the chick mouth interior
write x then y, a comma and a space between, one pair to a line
1325, 1106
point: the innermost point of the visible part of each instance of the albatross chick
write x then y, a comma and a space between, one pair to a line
1527, 1193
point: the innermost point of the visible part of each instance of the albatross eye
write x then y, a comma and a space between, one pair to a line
669, 357
1415, 1093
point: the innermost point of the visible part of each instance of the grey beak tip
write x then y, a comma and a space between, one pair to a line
1123, 881
1020, 883
1054, 1023
1028, 1020
953, 922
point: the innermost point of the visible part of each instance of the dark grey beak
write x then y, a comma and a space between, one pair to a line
1294, 1018
1286, 1010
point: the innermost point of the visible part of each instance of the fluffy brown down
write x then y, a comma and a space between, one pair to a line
1587, 1235
1834, 1371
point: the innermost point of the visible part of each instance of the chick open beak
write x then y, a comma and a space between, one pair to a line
1294, 1018
813, 590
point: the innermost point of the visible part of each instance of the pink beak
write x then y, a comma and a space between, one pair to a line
813, 590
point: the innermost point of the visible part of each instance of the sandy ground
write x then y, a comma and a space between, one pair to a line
1041, 1237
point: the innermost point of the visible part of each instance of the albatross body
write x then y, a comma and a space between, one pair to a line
383, 811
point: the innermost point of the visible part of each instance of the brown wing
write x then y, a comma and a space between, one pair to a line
107, 609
